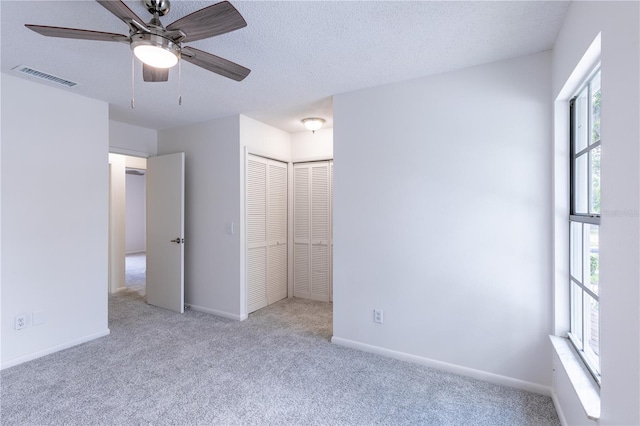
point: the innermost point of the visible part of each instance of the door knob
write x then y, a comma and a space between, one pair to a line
178, 240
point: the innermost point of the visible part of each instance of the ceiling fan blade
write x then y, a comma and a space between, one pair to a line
215, 63
151, 74
214, 20
123, 12
76, 33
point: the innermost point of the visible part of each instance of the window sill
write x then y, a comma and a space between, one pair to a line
585, 386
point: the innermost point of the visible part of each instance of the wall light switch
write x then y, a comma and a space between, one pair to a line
230, 228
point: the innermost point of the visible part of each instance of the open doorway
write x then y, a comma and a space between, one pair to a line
127, 223
135, 230
157, 260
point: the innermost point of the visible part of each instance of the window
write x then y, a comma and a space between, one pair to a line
585, 223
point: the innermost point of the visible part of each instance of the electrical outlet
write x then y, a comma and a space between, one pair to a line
378, 316
21, 321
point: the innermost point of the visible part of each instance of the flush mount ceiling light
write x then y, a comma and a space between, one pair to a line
313, 124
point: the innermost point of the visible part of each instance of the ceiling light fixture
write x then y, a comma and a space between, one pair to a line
313, 124
155, 50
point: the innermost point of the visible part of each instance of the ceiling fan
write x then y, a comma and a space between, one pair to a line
159, 47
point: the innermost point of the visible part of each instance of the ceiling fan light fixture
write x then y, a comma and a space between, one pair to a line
155, 56
313, 123
155, 51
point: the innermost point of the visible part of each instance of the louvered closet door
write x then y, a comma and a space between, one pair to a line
277, 232
331, 231
256, 233
266, 232
301, 231
312, 231
320, 231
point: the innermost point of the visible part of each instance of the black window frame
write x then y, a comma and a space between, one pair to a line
589, 218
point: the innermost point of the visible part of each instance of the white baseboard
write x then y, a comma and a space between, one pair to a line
445, 366
556, 404
216, 312
56, 348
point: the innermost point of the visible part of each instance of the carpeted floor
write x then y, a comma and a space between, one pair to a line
136, 272
278, 367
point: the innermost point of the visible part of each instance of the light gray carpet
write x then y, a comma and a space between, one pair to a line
136, 272
278, 367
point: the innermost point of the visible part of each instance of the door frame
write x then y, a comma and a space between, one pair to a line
118, 165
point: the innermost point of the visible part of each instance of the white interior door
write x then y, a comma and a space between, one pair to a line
165, 231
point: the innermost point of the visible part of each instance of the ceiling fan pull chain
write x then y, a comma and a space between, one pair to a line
179, 82
133, 101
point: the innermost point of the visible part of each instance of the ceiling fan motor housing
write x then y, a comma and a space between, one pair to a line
160, 7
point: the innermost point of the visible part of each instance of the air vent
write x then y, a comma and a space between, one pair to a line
43, 76
134, 172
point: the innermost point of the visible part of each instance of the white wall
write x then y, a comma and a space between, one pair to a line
618, 23
262, 139
136, 235
128, 139
212, 199
307, 146
54, 218
442, 219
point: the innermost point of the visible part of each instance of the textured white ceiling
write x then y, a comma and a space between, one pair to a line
300, 52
